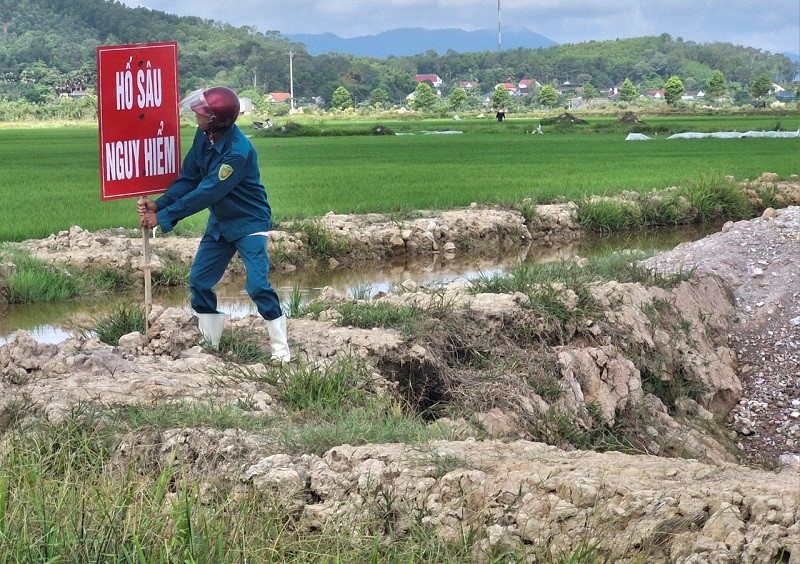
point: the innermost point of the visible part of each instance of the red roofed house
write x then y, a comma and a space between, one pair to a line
433, 79
526, 85
278, 97
512, 88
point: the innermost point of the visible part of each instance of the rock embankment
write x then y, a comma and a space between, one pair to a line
511, 492
370, 237
520, 493
759, 261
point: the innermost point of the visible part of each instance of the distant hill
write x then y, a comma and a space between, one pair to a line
795, 58
409, 41
48, 48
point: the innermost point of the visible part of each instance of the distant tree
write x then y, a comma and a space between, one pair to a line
628, 92
50, 42
458, 98
500, 97
590, 92
738, 94
548, 96
39, 93
424, 98
797, 93
341, 99
716, 84
260, 103
379, 97
761, 86
673, 90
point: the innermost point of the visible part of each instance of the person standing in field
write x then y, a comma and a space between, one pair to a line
220, 173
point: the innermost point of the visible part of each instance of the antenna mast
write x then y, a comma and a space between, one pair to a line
499, 33
291, 81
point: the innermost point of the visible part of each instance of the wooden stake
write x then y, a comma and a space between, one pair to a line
148, 289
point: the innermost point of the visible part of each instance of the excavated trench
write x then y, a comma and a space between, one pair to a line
56, 322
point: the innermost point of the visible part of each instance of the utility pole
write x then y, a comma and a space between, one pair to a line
499, 33
291, 81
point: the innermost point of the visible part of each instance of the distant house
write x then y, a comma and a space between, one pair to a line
245, 106
527, 85
467, 85
279, 97
511, 87
656, 94
432, 79
567, 88
693, 95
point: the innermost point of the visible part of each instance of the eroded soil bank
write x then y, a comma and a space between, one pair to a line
523, 393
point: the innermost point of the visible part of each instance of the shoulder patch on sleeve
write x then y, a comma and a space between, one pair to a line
225, 171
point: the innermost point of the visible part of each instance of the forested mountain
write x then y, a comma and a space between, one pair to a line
48, 46
412, 41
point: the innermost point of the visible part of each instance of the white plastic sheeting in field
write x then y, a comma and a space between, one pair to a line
735, 134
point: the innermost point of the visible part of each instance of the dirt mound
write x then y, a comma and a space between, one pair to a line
630, 118
565, 119
382, 130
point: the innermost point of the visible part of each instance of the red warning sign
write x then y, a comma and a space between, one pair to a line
139, 118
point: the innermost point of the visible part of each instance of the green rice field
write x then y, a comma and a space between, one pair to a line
51, 177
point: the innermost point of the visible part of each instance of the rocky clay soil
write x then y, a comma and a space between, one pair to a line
698, 383
759, 261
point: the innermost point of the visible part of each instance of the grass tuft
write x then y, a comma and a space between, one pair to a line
244, 346
121, 320
713, 198
321, 242
330, 387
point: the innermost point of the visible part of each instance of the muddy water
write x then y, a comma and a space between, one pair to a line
56, 322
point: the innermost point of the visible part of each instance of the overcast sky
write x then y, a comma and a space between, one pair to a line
771, 25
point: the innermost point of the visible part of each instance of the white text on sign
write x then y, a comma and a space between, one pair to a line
124, 159
146, 90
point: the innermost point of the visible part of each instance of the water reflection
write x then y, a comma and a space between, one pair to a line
56, 322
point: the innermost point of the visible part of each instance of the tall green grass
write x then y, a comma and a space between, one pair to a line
31, 280
706, 199
52, 176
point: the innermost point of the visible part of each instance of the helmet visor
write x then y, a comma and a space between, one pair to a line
195, 103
